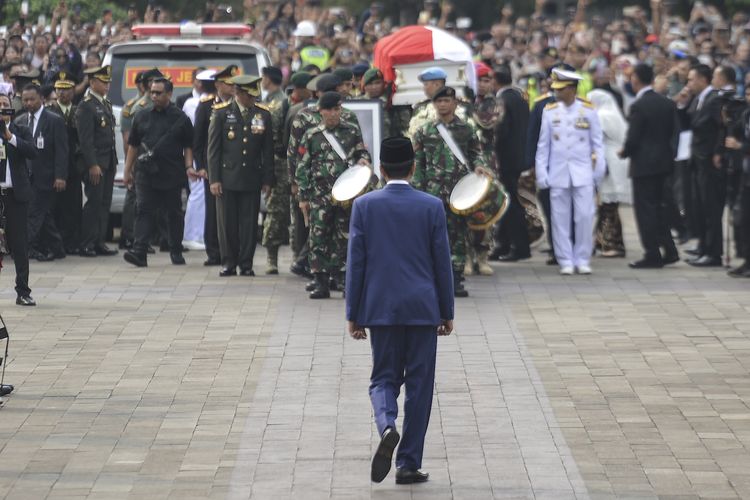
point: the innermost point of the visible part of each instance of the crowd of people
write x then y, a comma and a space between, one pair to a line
558, 112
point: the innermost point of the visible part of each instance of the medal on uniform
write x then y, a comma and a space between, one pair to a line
3, 155
257, 126
230, 134
104, 123
582, 122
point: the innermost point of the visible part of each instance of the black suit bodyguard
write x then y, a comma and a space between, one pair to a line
96, 134
49, 173
651, 145
240, 165
16, 148
68, 203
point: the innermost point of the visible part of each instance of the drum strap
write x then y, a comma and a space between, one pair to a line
451, 143
335, 144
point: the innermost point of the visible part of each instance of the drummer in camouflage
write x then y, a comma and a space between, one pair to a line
434, 79
439, 168
326, 151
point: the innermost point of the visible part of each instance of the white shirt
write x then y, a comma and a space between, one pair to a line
8, 179
643, 91
397, 181
36, 119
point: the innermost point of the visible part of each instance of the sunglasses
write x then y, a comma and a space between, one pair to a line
157, 92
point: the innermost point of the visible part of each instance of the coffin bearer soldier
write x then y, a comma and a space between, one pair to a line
570, 161
224, 94
445, 150
69, 202
96, 134
327, 150
276, 223
160, 143
240, 165
395, 118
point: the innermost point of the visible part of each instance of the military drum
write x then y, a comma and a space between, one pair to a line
480, 198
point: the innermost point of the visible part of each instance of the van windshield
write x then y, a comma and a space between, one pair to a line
179, 68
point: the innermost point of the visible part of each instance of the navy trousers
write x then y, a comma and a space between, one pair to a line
404, 355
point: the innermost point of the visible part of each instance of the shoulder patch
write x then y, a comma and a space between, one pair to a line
206, 98
551, 105
221, 105
542, 97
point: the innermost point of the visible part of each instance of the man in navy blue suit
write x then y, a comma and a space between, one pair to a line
399, 284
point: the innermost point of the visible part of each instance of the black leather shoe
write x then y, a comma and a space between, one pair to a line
25, 300
513, 257
177, 259
497, 252
5, 389
646, 264
88, 252
381, 462
739, 272
228, 271
671, 259
706, 261
406, 476
150, 250
247, 272
105, 250
552, 261
138, 260
212, 262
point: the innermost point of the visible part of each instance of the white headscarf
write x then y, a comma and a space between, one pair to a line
614, 125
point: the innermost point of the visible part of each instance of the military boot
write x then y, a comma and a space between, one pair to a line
458, 286
321, 290
484, 266
272, 260
468, 267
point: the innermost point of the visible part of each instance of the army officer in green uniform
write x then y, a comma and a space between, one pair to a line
240, 166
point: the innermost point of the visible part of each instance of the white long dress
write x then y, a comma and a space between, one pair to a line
615, 188
195, 213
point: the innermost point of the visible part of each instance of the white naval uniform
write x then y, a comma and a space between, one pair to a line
567, 140
195, 213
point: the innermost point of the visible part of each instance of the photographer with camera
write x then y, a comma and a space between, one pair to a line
16, 147
161, 142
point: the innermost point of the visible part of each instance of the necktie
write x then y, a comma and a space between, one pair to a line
245, 114
3, 164
31, 123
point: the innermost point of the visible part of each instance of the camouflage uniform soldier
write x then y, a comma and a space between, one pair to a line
438, 170
327, 151
433, 80
308, 117
395, 118
276, 223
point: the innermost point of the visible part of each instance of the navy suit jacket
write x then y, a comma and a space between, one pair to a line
399, 262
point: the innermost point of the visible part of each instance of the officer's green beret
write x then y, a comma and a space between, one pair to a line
371, 75
300, 79
345, 74
329, 100
444, 92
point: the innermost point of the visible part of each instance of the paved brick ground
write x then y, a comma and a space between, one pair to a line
170, 382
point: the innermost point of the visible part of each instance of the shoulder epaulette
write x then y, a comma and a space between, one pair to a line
220, 105
262, 106
131, 102
542, 97
551, 105
142, 102
206, 98
585, 102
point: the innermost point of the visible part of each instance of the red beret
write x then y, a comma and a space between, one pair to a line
482, 69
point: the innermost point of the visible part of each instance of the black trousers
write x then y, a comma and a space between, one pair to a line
210, 228
690, 199
511, 230
68, 209
651, 204
127, 232
237, 219
96, 211
744, 221
150, 202
42, 233
544, 201
16, 224
711, 199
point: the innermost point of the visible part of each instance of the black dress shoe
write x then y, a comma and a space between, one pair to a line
177, 258
646, 264
72, 250
212, 262
88, 252
497, 252
407, 476
138, 260
706, 261
513, 257
247, 272
150, 250
381, 462
552, 261
5, 389
25, 300
671, 259
105, 250
693, 251
228, 271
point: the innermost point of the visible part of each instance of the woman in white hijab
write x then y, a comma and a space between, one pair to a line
615, 188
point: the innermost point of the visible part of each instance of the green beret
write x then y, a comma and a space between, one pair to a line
300, 79
329, 100
344, 74
372, 74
